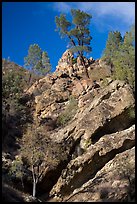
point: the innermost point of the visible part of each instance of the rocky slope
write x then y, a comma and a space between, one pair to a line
92, 122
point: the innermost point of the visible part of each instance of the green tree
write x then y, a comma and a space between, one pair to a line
17, 169
33, 58
46, 66
12, 89
81, 32
14, 114
120, 54
112, 45
37, 60
36, 154
129, 37
77, 32
124, 60
10, 85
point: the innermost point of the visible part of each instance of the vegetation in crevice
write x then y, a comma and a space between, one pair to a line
68, 113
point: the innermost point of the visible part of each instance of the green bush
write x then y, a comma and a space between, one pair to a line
131, 113
74, 60
105, 82
68, 113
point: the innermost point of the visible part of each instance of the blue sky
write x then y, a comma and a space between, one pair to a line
26, 23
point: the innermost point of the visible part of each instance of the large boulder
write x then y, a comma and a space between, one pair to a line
65, 61
85, 166
115, 182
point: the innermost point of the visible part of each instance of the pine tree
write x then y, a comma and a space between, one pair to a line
62, 25
124, 60
33, 58
45, 63
112, 45
81, 32
77, 32
37, 60
120, 54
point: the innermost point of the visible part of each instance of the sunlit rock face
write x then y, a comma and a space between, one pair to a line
91, 125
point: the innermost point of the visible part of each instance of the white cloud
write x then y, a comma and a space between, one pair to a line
123, 10
62, 7
114, 15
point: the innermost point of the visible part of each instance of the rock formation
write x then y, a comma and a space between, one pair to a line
98, 139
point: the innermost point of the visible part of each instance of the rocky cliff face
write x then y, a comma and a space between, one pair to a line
94, 123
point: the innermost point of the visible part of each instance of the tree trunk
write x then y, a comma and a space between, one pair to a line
29, 81
34, 189
34, 182
86, 71
30, 77
22, 182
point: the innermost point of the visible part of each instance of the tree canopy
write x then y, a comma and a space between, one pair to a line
120, 53
76, 31
113, 42
124, 60
34, 153
37, 60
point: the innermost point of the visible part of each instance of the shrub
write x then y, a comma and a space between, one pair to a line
131, 113
68, 113
74, 60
